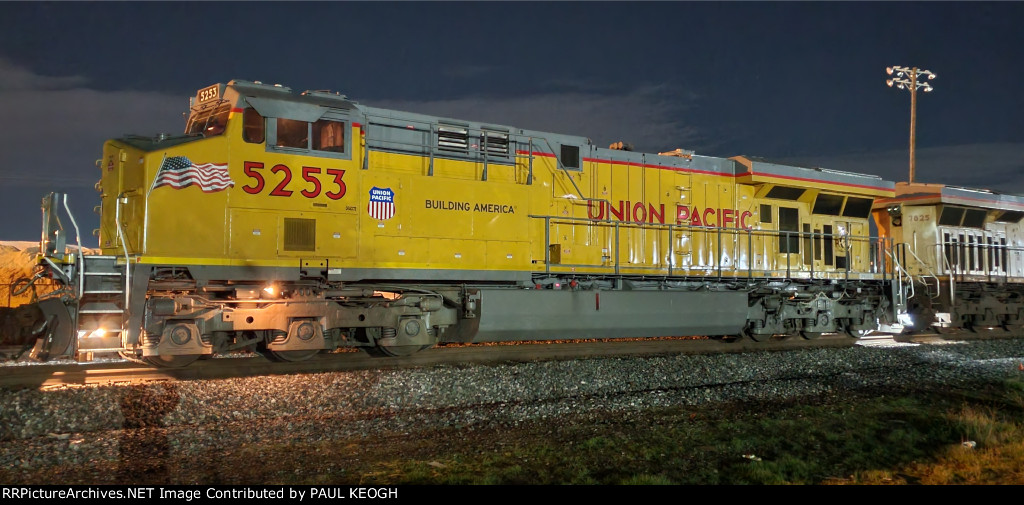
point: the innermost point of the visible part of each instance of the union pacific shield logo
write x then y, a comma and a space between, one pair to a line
382, 203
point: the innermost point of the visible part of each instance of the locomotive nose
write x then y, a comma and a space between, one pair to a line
122, 187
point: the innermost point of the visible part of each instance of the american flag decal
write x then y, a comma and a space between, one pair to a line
180, 172
382, 203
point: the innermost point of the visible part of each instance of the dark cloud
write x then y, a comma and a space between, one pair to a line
470, 71
995, 166
15, 78
54, 130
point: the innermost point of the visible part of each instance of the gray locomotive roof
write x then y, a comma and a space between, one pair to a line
277, 100
764, 166
925, 194
401, 118
692, 164
282, 100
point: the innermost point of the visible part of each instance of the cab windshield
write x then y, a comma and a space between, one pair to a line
208, 119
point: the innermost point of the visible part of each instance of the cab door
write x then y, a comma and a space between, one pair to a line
857, 246
819, 254
789, 239
842, 246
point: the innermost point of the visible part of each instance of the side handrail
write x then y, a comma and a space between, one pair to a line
720, 237
560, 166
900, 273
482, 149
122, 198
928, 270
429, 147
78, 244
952, 278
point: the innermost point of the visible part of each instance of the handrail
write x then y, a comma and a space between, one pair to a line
900, 272
962, 269
78, 245
560, 166
430, 148
671, 269
481, 150
928, 270
952, 281
127, 260
563, 168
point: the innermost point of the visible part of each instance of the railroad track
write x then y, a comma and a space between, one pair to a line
60, 374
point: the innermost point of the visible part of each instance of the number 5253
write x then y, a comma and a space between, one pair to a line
312, 187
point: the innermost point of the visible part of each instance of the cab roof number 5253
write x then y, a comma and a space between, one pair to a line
208, 93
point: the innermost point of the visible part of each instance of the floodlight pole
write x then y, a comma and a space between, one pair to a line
913, 120
912, 84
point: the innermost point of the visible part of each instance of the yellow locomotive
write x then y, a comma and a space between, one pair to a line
300, 222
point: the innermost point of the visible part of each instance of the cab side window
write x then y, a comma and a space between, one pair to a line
292, 133
329, 136
254, 127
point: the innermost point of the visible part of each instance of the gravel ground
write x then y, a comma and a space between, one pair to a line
76, 426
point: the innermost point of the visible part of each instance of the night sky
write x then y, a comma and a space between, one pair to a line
798, 82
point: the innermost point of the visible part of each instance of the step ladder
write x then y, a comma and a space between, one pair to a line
102, 312
903, 285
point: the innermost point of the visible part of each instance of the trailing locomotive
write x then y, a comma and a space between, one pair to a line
300, 222
963, 249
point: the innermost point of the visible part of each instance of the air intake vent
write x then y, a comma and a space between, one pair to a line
299, 234
497, 143
451, 138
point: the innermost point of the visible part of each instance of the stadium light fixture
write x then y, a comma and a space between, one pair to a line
910, 82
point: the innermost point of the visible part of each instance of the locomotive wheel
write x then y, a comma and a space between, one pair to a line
811, 335
290, 355
377, 350
760, 337
729, 339
398, 351
177, 361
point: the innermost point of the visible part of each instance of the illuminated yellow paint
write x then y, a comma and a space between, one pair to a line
452, 220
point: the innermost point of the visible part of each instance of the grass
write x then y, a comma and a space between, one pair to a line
917, 438
910, 437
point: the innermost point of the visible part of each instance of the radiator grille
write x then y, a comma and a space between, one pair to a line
451, 138
299, 234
